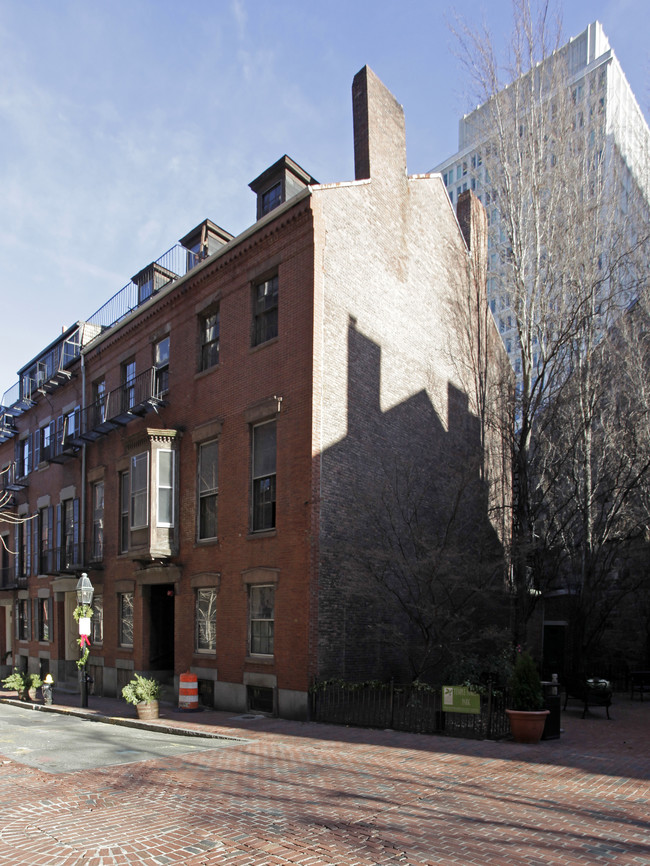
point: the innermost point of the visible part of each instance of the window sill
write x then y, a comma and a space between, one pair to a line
262, 533
206, 542
201, 374
259, 660
265, 343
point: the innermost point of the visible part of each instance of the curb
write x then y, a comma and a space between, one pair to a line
120, 721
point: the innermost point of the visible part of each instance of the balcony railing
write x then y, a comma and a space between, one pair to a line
50, 369
172, 265
57, 560
11, 479
7, 425
117, 408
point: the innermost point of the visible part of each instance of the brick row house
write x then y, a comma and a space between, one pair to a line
199, 445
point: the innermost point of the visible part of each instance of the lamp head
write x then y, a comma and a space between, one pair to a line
85, 590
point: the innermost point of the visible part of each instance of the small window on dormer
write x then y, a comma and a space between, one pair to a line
271, 198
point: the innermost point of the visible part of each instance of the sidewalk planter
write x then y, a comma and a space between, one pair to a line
147, 710
527, 726
526, 714
143, 693
24, 684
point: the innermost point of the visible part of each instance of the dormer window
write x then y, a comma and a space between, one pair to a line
278, 184
271, 198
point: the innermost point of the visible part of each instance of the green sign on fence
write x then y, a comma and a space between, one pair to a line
459, 699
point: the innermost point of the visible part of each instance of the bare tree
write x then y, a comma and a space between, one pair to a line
568, 241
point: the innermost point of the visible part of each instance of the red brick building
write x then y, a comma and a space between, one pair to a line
198, 446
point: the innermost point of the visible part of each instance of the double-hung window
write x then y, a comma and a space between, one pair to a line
264, 463
46, 541
68, 529
265, 311
208, 472
22, 619
209, 340
161, 363
24, 457
97, 621
165, 487
261, 604
98, 520
99, 402
125, 497
139, 483
125, 613
128, 385
206, 620
43, 618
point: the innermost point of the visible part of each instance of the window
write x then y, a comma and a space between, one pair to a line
22, 619
271, 198
208, 472
125, 610
265, 315
71, 424
24, 548
97, 620
5, 578
139, 483
161, 363
128, 385
24, 457
68, 532
99, 402
45, 443
43, 618
206, 620
46, 549
264, 461
458, 172
165, 488
98, 520
210, 340
261, 607
125, 496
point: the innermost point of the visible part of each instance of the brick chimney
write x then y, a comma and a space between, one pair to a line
379, 131
472, 220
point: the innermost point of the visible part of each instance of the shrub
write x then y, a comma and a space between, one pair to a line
525, 691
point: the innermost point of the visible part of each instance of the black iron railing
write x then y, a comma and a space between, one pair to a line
412, 707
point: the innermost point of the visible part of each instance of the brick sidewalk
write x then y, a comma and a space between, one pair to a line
324, 795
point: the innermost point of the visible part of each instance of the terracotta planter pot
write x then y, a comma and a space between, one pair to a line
527, 726
147, 710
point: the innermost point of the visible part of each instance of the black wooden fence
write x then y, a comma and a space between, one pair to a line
406, 708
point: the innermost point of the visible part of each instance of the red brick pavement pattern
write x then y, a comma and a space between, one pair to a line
322, 795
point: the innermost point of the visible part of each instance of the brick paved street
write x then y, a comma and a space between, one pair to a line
319, 795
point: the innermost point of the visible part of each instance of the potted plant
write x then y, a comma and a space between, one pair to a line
526, 698
24, 684
143, 693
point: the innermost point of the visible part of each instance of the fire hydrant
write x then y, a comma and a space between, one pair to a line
46, 688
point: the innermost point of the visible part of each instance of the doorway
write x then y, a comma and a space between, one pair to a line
161, 627
554, 649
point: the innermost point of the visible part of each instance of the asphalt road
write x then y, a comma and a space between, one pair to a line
65, 744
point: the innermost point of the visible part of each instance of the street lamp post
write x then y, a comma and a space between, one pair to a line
85, 592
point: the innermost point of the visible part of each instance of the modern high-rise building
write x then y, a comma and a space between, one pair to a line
605, 107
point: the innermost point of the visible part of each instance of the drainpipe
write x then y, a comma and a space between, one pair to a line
82, 528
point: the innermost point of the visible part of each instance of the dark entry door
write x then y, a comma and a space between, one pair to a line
161, 644
554, 639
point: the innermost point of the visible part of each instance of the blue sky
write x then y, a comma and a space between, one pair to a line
126, 123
